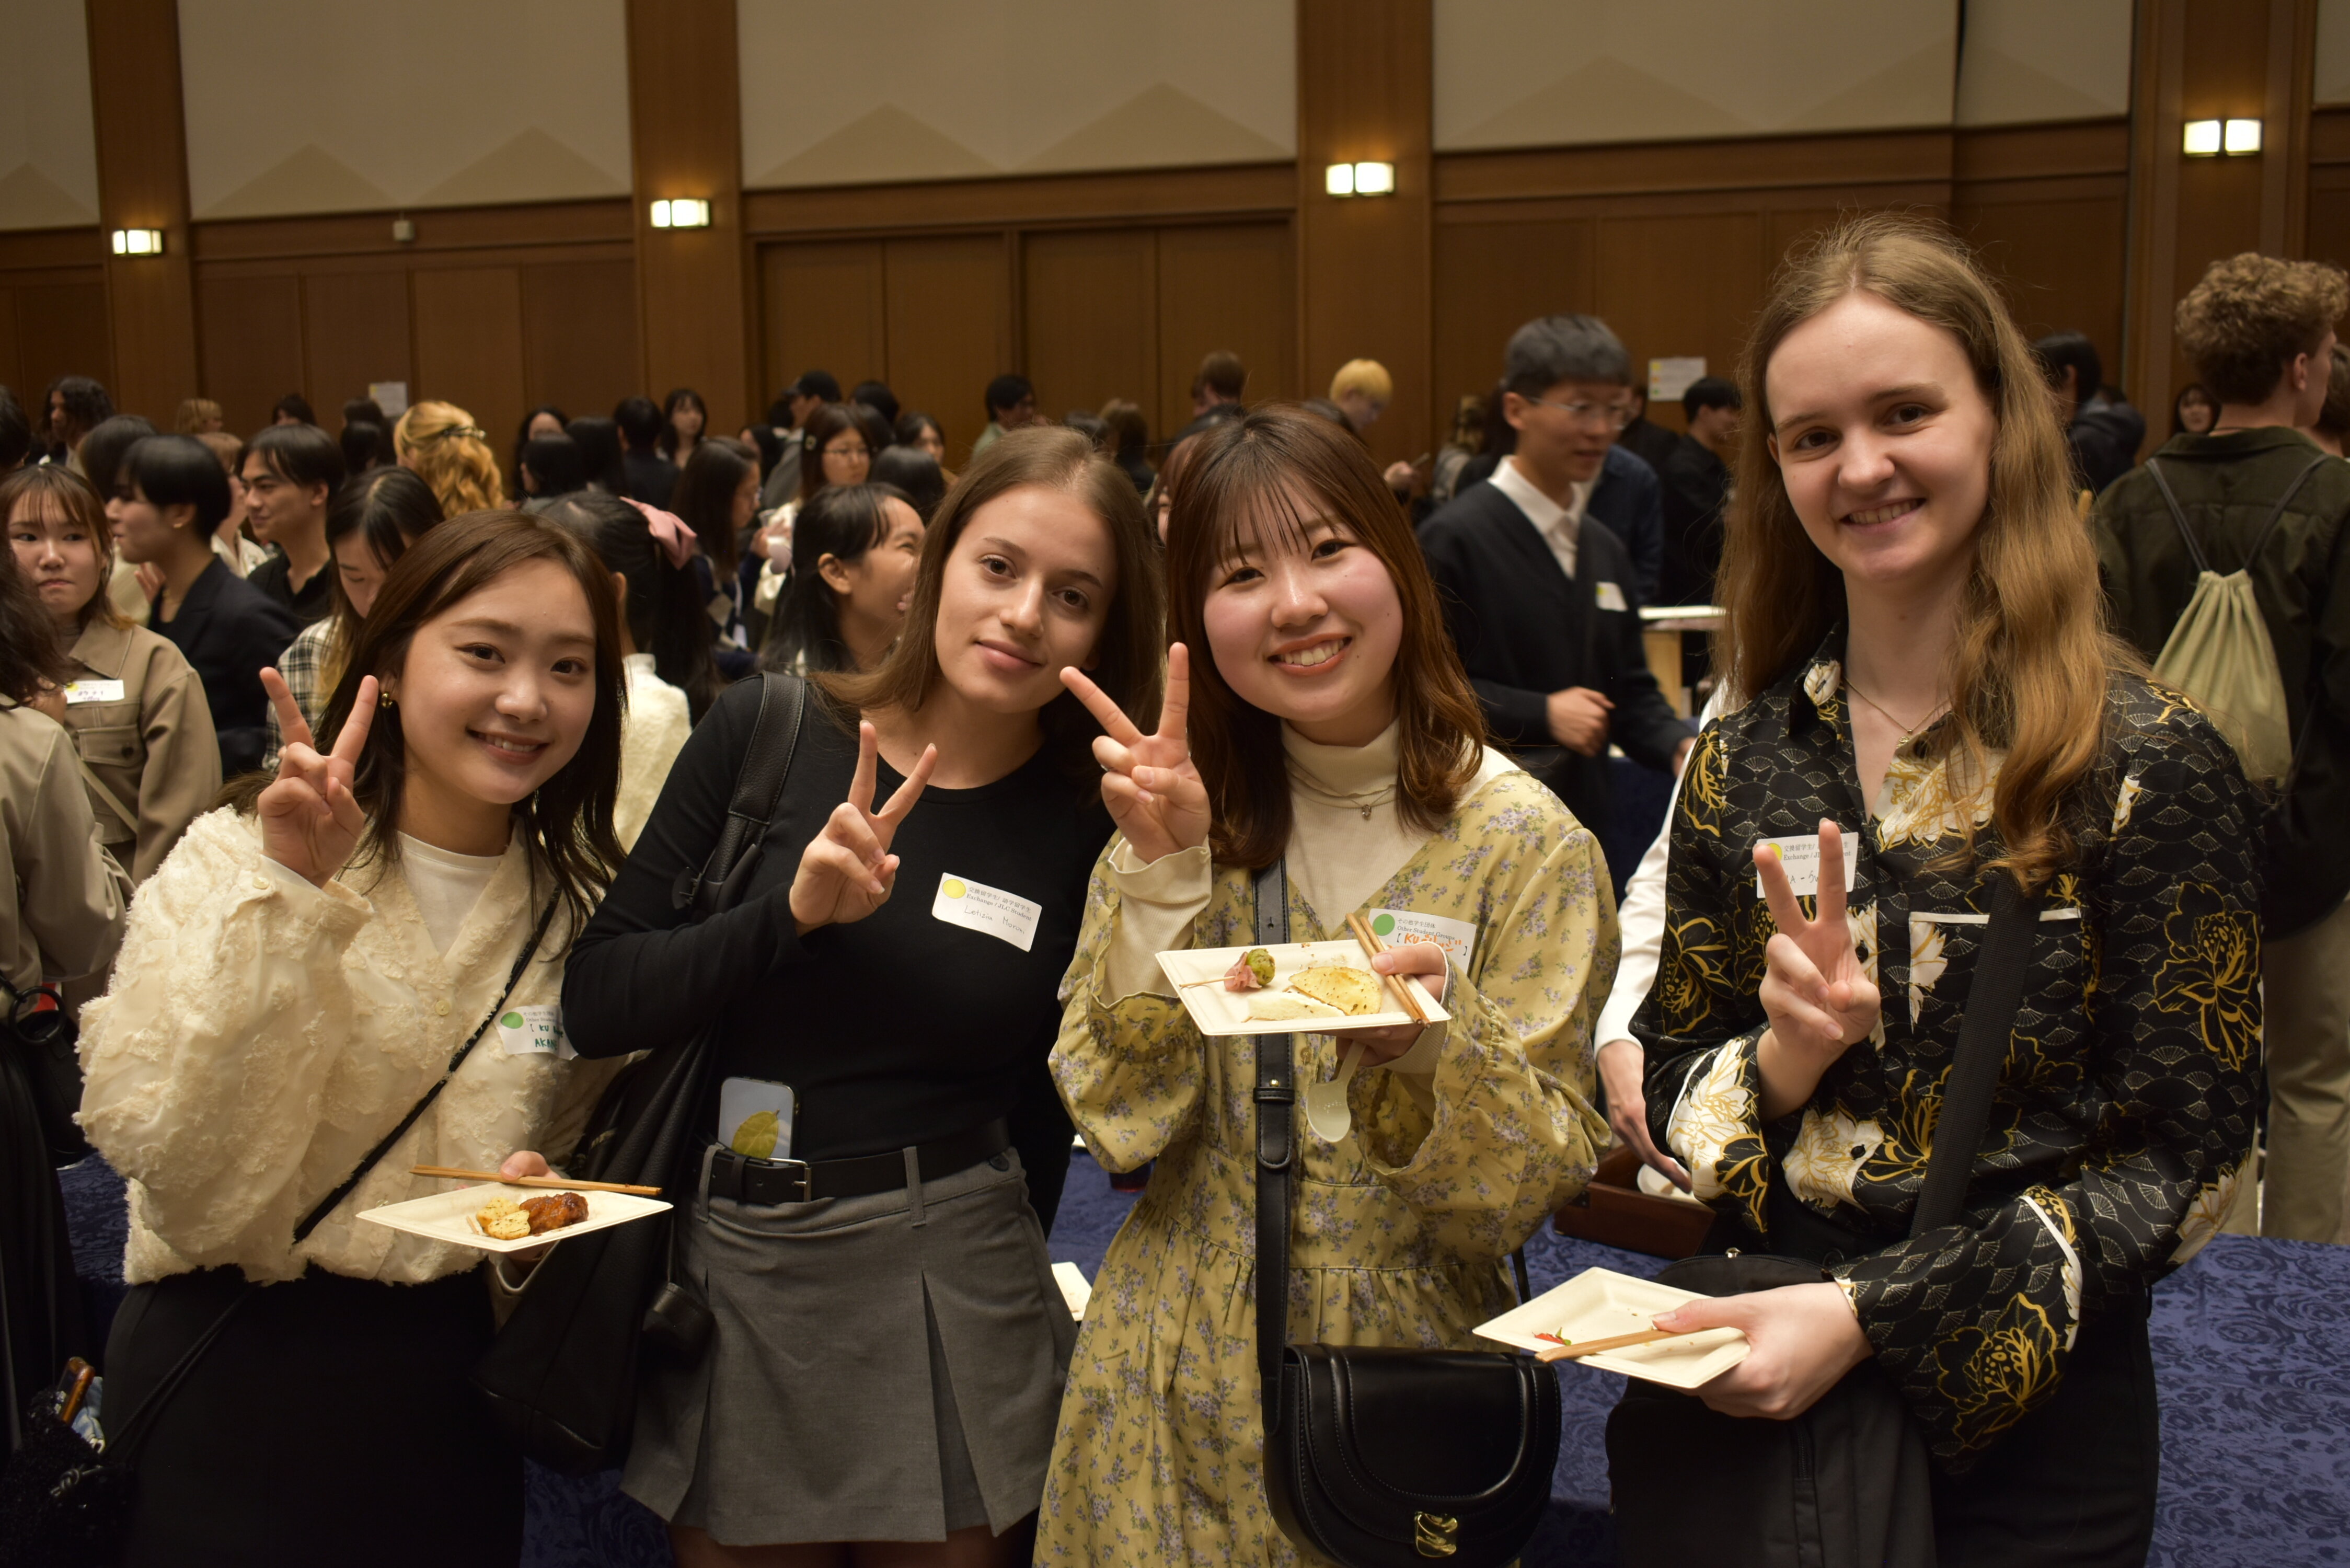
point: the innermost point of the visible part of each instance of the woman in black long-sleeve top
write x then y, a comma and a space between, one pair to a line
888, 1351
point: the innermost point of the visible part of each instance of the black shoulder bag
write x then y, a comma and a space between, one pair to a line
561, 1377
1846, 1483
1381, 1458
63, 1501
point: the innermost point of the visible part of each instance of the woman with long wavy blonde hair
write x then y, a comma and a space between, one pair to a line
1919, 663
443, 446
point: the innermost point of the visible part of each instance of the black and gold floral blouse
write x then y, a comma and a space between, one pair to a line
2125, 1107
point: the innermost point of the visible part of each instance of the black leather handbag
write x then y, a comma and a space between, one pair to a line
1383, 1458
560, 1379
1847, 1483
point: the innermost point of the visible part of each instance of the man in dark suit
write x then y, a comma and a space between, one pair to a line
1540, 596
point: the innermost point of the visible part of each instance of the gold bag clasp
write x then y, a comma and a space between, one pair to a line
1435, 1534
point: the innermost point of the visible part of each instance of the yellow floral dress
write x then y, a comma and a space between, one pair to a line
2124, 1108
1400, 1231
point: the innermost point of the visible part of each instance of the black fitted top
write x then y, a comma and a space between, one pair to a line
897, 1029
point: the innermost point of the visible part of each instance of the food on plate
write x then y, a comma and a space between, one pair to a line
1280, 1006
503, 1220
554, 1211
1352, 992
1252, 971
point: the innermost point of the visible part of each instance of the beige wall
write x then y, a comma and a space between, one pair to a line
2029, 61
931, 90
2333, 51
48, 147
1531, 73
295, 107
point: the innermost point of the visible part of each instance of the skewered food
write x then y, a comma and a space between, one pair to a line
1252, 971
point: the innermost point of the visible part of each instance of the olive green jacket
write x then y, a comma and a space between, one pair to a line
2226, 484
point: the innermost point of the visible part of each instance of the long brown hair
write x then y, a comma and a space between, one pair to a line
568, 823
2031, 658
54, 488
1126, 659
1241, 469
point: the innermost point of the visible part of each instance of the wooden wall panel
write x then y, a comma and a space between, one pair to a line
1682, 285
1226, 285
824, 309
49, 329
250, 328
142, 182
579, 336
355, 331
468, 344
948, 304
1089, 318
2059, 256
1495, 277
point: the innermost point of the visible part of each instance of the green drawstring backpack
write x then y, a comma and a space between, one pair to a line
2219, 653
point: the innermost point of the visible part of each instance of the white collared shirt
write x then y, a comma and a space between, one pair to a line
1559, 524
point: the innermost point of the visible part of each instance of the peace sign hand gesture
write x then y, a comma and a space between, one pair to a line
847, 871
310, 822
1153, 791
1820, 1000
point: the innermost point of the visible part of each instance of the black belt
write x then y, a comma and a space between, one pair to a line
772, 1181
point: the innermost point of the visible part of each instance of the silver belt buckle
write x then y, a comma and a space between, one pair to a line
805, 1179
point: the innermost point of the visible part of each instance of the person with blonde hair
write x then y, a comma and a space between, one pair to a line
443, 446
2256, 494
1917, 661
1362, 388
198, 417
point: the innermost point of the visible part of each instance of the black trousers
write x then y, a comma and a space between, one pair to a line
331, 1422
2072, 1484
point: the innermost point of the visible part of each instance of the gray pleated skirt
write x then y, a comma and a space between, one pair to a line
880, 1368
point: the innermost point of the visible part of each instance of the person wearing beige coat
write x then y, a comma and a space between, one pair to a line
138, 712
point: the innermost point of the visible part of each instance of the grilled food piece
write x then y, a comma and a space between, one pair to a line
1352, 992
554, 1211
503, 1220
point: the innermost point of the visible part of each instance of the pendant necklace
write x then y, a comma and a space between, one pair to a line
1906, 731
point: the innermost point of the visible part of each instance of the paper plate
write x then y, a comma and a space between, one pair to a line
449, 1216
1599, 1303
1219, 1012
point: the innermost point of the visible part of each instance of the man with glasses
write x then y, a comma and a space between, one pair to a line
1540, 596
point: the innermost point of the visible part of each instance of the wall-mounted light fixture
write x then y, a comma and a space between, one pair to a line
2213, 138
1359, 179
681, 213
139, 242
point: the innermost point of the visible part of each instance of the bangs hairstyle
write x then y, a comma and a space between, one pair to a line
2030, 657
1129, 657
568, 823
1238, 474
54, 492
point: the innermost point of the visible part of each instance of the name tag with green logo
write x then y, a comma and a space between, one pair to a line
1403, 928
534, 1031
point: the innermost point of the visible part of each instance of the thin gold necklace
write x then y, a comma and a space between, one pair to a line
1906, 732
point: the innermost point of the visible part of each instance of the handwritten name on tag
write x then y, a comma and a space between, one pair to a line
1401, 928
80, 691
1801, 856
975, 907
534, 1031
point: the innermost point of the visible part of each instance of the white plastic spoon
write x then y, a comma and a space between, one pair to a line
1326, 1111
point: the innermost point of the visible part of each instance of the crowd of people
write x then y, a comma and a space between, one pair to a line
359, 788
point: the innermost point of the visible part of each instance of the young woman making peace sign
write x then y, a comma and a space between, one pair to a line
298, 974
1329, 727
886, 991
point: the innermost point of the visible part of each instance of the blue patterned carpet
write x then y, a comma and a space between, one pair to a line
2248, 1342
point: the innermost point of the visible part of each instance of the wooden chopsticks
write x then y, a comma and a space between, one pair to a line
453, 1174
1375, 947
1614, 1342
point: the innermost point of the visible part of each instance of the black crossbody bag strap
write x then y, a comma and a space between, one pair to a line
325, 1206
1993, 998
1276, 1150
767, 764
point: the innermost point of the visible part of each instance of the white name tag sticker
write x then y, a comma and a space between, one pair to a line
534, 1031
975, 907
1403, 928
79, 691
1801, 856
1611, 597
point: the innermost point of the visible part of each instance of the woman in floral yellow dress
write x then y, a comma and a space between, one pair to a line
1915, 633
1336, 734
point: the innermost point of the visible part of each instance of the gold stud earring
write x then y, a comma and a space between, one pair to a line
385, 700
